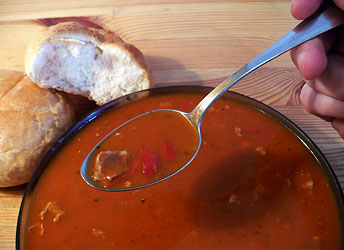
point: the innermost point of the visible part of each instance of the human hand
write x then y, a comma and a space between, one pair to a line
321, 63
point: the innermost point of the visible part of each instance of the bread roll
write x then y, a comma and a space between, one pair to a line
31, 120
86, 61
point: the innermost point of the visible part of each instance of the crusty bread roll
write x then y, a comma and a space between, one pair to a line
31, 120
86, 61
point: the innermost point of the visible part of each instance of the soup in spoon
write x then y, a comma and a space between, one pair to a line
142, 151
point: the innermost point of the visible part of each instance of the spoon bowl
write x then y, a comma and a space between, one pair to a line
327, 18
88, 169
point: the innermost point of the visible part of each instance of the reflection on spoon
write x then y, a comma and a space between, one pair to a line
97, 169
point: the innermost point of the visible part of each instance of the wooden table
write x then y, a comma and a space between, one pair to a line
197, 42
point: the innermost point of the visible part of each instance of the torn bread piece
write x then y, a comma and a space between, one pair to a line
85, 61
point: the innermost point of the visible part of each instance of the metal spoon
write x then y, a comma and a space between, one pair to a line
324, 20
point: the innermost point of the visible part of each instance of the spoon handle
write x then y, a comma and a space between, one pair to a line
320, 22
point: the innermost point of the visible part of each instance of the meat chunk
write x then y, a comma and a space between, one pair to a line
37, 226
110, 164
52, 212
54, 209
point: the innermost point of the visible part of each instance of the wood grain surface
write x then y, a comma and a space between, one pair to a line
197, 42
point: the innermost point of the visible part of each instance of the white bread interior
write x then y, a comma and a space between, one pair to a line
32, 119
85, 61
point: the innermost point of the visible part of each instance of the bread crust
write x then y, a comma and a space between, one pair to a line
71, 32
8, 80
31, 121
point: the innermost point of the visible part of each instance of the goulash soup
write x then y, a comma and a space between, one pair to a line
253, 185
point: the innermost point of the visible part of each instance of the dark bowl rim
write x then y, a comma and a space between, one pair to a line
98, 111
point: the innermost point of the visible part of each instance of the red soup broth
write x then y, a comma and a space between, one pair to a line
253, 185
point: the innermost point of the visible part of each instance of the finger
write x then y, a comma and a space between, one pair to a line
339, 3
338, 124
320, 104
301, 9
331, 82
311, 58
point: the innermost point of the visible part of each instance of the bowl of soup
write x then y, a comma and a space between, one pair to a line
258, 182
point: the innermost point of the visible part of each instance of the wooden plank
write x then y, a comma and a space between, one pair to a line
24, 10
9, 208
206, 20
193, 35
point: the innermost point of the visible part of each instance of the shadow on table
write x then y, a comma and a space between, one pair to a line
13, 191
167, 71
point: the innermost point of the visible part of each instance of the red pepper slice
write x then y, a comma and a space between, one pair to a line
149, 161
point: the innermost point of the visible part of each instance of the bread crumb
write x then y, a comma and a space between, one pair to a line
233, 199
238, 131
260, 151
127, 184
98, 233
304, 180
315, 237
115, 10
